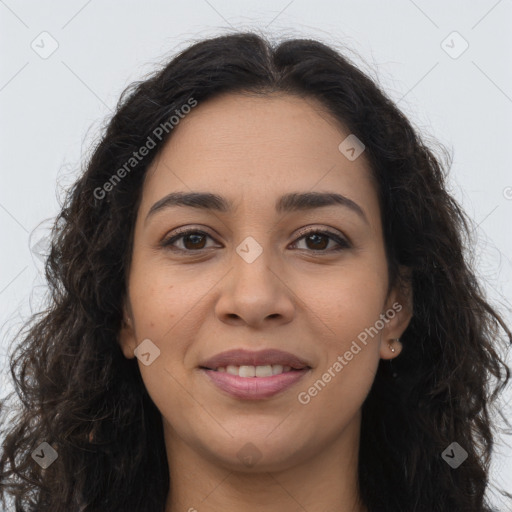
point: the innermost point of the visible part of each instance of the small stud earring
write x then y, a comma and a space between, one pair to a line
391, 347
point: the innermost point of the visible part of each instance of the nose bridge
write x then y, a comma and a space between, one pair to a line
257, 258
254, 291
253, 259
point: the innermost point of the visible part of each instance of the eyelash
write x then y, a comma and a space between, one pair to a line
343, 244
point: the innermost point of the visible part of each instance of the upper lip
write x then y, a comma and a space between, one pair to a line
241, 357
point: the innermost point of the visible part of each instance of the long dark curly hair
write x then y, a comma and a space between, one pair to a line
77, 392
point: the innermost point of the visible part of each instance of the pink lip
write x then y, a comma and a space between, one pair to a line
254, 388
241, 357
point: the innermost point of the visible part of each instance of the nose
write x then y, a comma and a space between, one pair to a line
255, 292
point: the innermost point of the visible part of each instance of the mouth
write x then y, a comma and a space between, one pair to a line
246, 363
254, 375
248, 371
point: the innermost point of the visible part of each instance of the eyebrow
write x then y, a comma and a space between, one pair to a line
291, 202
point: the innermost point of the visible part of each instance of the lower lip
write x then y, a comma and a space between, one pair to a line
254, 388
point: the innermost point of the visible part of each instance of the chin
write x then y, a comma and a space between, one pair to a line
257, 451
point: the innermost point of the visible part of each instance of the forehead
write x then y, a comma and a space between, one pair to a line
252, 149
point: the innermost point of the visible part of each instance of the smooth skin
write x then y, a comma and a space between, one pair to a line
299, 296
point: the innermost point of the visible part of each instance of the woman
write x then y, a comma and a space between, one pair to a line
261, 300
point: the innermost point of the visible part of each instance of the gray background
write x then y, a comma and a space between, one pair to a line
52, 108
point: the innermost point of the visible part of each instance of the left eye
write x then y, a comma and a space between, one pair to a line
194, 241
316, 237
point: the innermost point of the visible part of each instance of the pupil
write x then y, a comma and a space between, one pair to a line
318, 236
192, 237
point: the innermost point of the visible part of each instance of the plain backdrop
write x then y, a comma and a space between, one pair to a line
447, 64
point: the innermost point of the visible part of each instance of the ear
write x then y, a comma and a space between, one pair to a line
399, 311
127, 338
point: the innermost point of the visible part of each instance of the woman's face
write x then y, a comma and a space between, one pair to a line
256, 281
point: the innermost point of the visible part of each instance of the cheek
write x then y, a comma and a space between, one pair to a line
161, 298
347, 300
160, 310
334, 398
349, 305
350, 349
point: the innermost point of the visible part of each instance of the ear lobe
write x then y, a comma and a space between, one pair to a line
391, 349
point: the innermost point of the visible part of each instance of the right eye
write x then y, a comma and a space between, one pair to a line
193, 240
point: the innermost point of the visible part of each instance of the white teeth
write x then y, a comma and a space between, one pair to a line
254, 371
276, 369
247, 371
233, 370
263, 371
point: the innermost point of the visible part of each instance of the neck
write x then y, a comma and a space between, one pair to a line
325, 481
